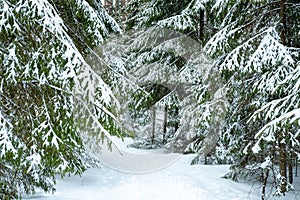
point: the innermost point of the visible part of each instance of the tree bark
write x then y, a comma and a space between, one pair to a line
201, 25
296, 163
177, 116
153, 125
290, 161
165, 124
265, 181
283, 22
123, 14
290, 169
282, 159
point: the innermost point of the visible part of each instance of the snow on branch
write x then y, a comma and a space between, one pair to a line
280, 113
97, 20
6, 136
178, 22
219, 42
185, 20
7, 18
267, 132
269, 52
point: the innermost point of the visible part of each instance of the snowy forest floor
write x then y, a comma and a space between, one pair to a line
178, 181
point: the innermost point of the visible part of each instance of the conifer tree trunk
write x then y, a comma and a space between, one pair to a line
290, 161
282, 160
281, 138
296, 163
201, 31
165, 124
290, 169
283, 22
265, 179
177, 116
153, 125
123, 14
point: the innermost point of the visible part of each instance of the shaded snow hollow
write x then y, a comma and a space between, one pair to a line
176, 181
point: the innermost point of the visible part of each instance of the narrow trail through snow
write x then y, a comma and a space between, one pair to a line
177, 181
134, 161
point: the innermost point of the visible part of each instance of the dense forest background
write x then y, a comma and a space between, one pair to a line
78, 71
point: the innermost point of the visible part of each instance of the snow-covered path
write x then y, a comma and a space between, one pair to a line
176, 182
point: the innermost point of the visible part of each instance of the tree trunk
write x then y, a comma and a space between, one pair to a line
290, 161
177, 116
296, 163
165, 124
282, 159
265, 181
290, 168
153, 125
201, 25
283, 22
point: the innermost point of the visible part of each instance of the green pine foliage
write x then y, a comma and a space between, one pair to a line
188, 69
60, 84
258, 58
41, 66
255, 49
86, 21
183, 16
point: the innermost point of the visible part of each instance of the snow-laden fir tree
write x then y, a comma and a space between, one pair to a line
180, 68
41, 65
185, 16
137, 73
258, 53
255, 45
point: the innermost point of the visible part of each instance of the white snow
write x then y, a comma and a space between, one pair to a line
137, 161
176, 182
6, 136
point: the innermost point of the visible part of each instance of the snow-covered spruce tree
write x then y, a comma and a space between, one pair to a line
86, 21
40, 67
258, 51
187, 16
143, 66
196, 110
